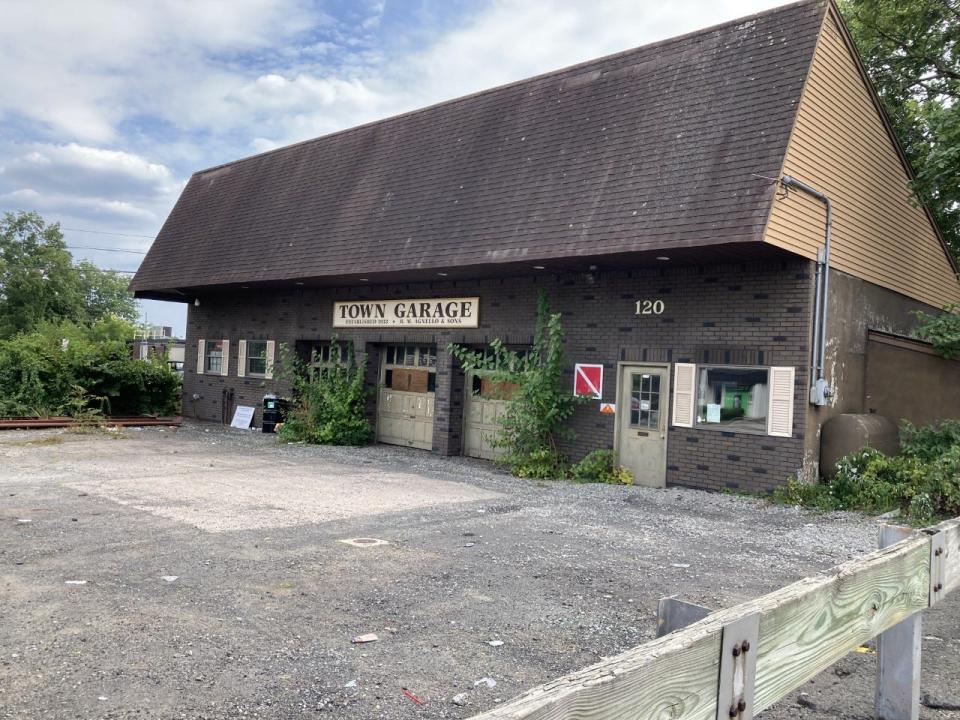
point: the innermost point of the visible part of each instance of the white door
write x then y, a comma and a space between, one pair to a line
643, 398
405, 403
484, 409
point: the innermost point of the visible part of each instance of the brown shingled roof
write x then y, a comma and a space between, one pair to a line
653, 148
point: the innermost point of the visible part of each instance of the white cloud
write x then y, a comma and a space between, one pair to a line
79, 170
507, 41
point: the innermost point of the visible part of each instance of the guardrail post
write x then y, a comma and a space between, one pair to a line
898, 656
674, 614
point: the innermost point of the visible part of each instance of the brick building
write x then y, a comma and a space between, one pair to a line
671, 201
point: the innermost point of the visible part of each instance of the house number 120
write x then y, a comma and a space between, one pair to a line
649, 307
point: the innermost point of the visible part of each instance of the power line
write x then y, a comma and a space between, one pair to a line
102, 232
91, 247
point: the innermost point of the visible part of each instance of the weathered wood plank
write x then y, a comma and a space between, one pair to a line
804, 628
686, 666
898, 655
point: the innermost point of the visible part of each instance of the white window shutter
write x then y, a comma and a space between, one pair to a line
241, 358
201, 355
271, 347
780, 412
684, 394
225, 361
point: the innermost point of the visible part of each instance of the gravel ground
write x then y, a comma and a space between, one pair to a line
215, 583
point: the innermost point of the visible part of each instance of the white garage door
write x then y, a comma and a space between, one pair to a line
406, 401
485, 407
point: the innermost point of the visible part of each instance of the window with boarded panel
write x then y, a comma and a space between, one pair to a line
684, 394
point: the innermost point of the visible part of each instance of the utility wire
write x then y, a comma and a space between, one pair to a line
101, 232
91, 247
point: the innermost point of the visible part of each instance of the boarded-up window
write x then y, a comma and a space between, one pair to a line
408, 380
781, 401
684, 389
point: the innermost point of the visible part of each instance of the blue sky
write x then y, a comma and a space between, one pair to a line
107, 107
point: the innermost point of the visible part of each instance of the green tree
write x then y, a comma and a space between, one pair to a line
910, 49
40, 283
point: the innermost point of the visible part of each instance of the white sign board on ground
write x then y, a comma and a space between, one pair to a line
242, 417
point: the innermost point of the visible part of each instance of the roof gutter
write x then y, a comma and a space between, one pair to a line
820, 389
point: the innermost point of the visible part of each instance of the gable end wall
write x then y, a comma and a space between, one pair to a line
840, 145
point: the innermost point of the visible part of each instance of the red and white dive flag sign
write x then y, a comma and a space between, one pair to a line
588, 380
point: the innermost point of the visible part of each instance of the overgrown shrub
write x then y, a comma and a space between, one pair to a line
929, 442
65, 369
601, 466
541, 403
329, 401
923, 481
942, 330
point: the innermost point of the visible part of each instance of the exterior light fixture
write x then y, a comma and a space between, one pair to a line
539, 267
442, 274
662, 257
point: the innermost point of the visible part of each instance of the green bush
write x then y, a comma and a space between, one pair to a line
539, 464
600, 466
923, 481
330, 402
66, 369
929, 442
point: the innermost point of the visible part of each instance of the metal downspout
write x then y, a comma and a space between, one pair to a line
819, 389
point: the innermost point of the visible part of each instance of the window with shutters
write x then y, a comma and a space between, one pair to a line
213, 360
257, 358
736, 399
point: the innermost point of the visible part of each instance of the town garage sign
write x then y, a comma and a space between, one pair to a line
424, 312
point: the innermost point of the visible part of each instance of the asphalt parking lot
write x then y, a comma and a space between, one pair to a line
203, 573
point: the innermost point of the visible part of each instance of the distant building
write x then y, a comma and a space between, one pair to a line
162, 346
670, 200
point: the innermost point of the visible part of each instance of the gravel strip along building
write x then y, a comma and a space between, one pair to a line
686, 205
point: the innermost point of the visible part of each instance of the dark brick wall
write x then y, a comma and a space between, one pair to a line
754, 313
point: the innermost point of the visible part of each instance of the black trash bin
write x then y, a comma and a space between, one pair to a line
274, 412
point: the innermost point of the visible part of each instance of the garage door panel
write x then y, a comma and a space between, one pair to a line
405, 418
482, 426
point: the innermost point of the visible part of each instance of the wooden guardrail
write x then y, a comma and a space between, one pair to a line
736, 662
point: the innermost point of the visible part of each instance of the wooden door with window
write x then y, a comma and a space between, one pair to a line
406, 399
641, 441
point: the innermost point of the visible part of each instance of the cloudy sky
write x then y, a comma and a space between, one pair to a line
107, 107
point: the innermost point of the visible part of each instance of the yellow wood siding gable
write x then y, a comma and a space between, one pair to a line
841, 146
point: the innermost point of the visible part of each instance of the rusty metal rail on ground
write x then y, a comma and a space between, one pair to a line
28, 423
736, 662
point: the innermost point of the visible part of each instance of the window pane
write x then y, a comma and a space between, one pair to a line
390, 355
411, 355
733, 398
257, 366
